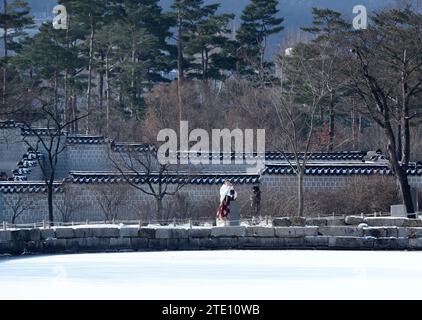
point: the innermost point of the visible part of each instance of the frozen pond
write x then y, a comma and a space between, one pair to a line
217, 275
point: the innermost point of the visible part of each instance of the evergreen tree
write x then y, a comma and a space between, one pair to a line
259, 21
202, 39
143, 50
13, 20
87, 16
328, 27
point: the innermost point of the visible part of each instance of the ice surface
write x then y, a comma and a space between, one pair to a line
216, 275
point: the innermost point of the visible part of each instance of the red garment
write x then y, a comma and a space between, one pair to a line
224, 208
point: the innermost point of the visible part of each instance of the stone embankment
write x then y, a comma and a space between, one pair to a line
351, 233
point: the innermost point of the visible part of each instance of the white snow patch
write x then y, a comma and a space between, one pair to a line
214, 275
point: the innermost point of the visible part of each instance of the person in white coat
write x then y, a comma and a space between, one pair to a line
227, 194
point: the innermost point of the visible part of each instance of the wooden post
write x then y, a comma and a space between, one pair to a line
87, 221
4, 225
190, 223
43, 224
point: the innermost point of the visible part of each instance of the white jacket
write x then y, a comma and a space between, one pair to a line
225, 191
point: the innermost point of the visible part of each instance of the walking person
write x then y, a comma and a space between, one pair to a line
227, 194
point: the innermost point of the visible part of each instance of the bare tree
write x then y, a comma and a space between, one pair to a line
385, 64
68, 206
140, 167
110, 198
296, 104
18, 205
51, 142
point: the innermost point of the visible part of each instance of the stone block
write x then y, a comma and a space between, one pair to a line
34, 246
6, 235
226, 243
105, 232
21, 235
179, 233
83, 233
47, 234
316, 241
385, 222
415, 244
54, 245
64, 233
336, 222
351, 243
147, 233
294, 243
139, 243
194, 243
291, 232
9, 247
157, 244
354, 220
225, 232
260, 232
414, 232
162, 233
282, 222
35, 234
306, 231
76, 244
129, 232
199, 233
379, 232
184, 244
413, 223
97, 244
172, 244
340, 231
319, 222
386, 244
298, 221
208, 244
120, 243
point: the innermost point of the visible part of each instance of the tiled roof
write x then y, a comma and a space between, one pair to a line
8, 124
133, 147
83, 139
24, 167
87, 178
324, 170
320, 156
24, 187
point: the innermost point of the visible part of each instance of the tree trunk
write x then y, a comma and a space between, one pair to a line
5, 54
50, 189
331, 123
107, 82
90, 67
180, 70
159, 213
399, 170
300, 192
101, 90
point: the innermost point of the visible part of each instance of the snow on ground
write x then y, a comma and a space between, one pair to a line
215, 275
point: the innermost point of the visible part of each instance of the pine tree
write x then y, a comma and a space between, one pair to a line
328, 26
87, 16
259, 21
13, 20
142, 50
202, 39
